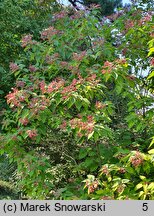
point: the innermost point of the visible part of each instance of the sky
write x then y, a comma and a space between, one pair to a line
125, 1
66, 1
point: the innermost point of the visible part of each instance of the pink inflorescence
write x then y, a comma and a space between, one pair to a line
32, 68
24, 121
99, 105
13, 67
32, 133
152, 62
137, 159
48, 33
107, 67
86, 127
15, 97
55, 85
26, 40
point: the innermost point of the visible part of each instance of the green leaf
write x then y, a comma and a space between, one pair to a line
151, 51
82, 154
91, 177
25, 113
78, 105
151, 151
152, 142
130, 170
88, 162
93, 167
141, 193
151, 186
142, 177
99, 192
70, 102
151, 75
90, 135
96, 136
138, 186
125, 181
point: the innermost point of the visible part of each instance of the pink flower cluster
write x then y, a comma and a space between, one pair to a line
129, 24
80, 56
152, 62
60, 15
38, 104
63, 125
107, 67
92, 77
67, 90
74, 69
26, 40
92, 186
16, 97
145, 19
24, 121
137, 159
99, 105
32, 68
55, 85
51, 59
121, 188
20, 83
32, 133
64, 64
48, 33
13, 67
121, 61
122, 170
42, 86
83, 127
105, 170
92, 80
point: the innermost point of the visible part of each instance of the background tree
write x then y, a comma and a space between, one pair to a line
108, 7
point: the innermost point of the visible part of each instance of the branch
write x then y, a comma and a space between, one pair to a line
74, 3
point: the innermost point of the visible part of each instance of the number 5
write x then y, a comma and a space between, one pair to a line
145, 207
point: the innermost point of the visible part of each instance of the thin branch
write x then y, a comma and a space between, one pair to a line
74, 3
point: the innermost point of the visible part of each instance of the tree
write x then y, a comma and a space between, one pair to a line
66, 120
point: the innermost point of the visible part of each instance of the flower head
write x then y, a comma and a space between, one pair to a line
27, 39
24, 121
32, 133
137, 159
13, 67
32, 68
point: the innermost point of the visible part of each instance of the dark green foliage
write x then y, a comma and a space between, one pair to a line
7, 177
7, 191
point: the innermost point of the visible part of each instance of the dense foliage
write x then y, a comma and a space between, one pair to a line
80, 122
19, 17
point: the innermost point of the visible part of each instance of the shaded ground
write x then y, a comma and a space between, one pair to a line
7, 191
7, 173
